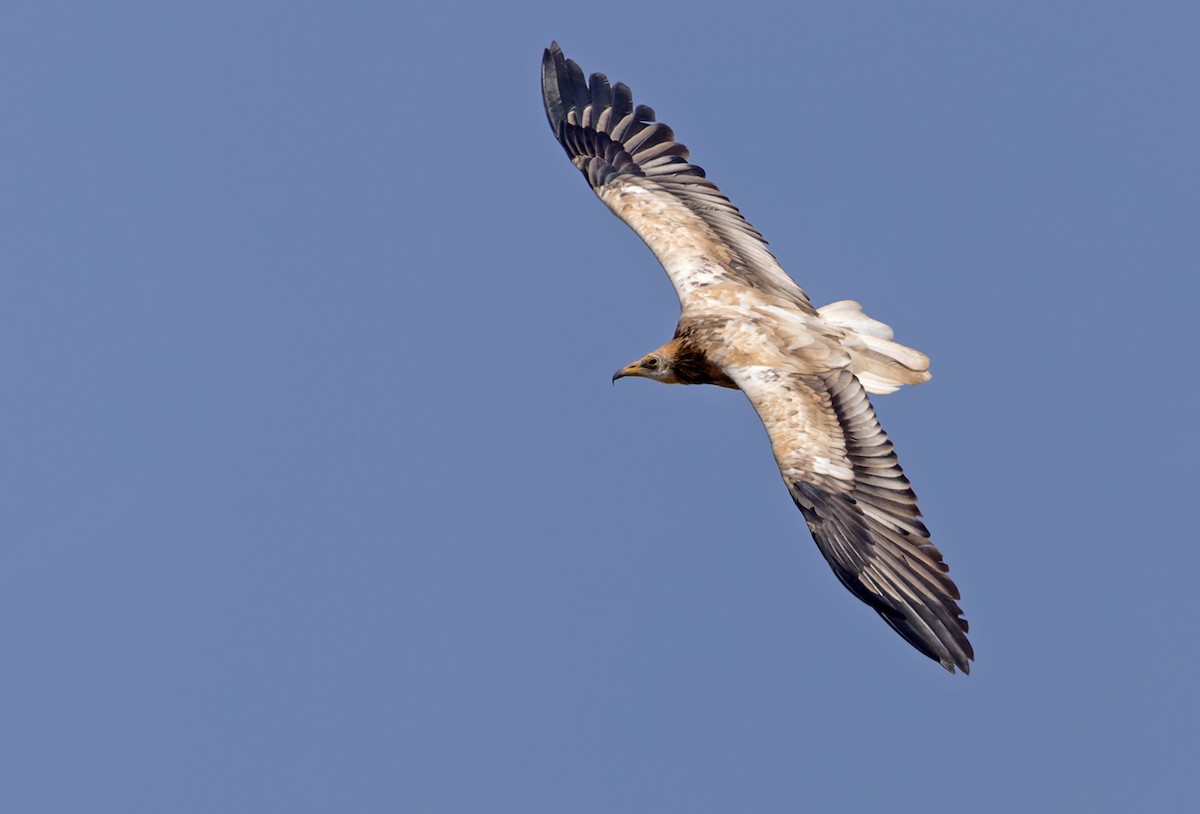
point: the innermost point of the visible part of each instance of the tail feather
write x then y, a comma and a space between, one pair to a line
881, 364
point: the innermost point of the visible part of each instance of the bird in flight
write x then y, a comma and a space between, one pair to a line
745, 324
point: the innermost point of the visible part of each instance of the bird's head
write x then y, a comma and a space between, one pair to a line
657, 365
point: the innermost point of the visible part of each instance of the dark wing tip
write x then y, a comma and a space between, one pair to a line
645, 113
602, 130
914, 596
554, 82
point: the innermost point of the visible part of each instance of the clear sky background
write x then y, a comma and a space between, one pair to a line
315, 494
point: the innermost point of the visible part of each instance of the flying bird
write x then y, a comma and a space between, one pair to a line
745, 324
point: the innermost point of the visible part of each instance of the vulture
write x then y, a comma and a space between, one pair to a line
746, 325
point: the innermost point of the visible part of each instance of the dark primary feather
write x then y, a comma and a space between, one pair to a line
607, 138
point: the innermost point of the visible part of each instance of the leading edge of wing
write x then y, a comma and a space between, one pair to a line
643, 175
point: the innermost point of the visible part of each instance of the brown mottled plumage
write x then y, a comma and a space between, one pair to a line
745, 324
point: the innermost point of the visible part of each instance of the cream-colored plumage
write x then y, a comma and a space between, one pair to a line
746, 324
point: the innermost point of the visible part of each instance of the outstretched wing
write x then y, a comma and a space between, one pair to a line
842, 472
642, 174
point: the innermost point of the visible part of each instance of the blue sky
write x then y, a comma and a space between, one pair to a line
315, 494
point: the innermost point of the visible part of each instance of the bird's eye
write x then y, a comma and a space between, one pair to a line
651, 363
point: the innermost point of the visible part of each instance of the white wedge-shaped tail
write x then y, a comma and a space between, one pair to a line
881, 364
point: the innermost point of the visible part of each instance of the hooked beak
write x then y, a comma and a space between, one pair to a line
628, 370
